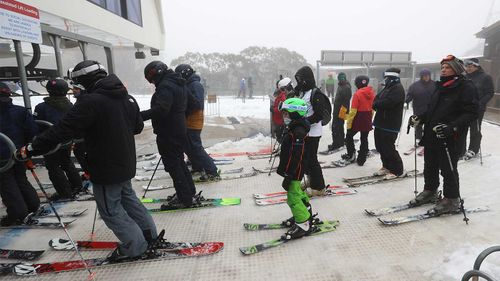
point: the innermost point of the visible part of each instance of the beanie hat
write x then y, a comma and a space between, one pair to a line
455, 64
393, 71
342, 76
4, 90
473, 61
57, 87
361, 81
425, 72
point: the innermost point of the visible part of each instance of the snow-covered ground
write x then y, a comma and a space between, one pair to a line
244, 145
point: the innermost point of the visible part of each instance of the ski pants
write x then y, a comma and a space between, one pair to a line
126, 216
62, 173
172, 155
337, 132
80, 151
312, 167
435, 160
349, 142
18, 195
197, 155
384, 143
475, 136
297, 199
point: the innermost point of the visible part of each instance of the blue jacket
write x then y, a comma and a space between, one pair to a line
52, 109
194, 85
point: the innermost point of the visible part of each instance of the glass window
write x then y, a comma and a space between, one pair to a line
101, 3
114, 6
134, 13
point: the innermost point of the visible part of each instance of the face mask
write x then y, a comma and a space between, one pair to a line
287, 121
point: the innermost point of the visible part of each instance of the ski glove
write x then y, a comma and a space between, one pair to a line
414, 120
444, 131
24, 153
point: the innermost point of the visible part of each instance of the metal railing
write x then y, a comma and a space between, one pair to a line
476, 272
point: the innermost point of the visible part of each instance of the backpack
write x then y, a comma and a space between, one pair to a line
326, 105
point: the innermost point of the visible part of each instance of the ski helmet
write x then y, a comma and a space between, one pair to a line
185, 70
283, 83
57, 87
361, 81
295, 107
87, 73
4, 90
154, 71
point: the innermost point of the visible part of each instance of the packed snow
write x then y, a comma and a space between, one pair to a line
255, 143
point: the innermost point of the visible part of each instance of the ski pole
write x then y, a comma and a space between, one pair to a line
480, 150
93, 224
399, 134
415, 146
276, 155
455, 180
30, 167
151, 179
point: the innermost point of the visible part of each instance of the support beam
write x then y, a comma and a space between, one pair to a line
22, 74
109, 60
83, 47
56, 42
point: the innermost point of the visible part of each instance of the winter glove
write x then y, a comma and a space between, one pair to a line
414, 120
444, 131
29, 165
23, 153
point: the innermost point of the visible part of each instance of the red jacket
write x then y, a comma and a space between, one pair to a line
360, 114
277, 117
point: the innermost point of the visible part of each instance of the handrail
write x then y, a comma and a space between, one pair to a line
12, 148
476, 273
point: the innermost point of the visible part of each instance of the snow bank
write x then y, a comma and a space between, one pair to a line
252, 144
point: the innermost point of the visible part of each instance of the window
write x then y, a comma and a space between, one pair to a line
114, 6
134, 13
127, 9
101, 3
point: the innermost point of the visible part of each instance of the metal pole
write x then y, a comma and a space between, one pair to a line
109, 60
317, 72
22, 74
83, 48
56, 42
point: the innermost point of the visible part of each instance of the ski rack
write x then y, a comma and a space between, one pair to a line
475, 272
12, 148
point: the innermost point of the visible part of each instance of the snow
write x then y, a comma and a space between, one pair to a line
255, 143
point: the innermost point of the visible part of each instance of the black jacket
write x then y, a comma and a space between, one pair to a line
454, 105
17, 123
293, 154
107, 119
342, 98
389, 105
168, 107
52, 109
420, 93
484, 85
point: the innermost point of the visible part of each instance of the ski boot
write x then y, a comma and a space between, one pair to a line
424, 197
198, 198
361, 159
445, 206
469, 155
299, 230
291, 221
117, 256
42, 211
381, 172
6, 221
158, 243
209, 178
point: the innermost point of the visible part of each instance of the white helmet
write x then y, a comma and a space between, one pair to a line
284, 82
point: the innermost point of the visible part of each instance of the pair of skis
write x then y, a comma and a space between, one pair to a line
373, 179
343, 163
266, 199
204, 203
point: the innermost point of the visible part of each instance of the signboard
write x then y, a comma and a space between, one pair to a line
363, 58
20, 22
212, 98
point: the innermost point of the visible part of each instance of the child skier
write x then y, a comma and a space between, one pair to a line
292, 156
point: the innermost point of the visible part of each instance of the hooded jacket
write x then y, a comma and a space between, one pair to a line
484, 85
420, 93
309, 93
455, 105
360, 115
342, 98
52, 109
389, 105
107, 118
293, 152
195, 119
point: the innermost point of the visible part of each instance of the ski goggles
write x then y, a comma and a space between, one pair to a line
449, 58
470, 62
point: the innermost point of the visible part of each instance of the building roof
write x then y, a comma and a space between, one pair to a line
489, 31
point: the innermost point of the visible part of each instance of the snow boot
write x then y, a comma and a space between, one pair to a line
382, 172
446, 206
291, 221
469, 155
362, 155
424, 197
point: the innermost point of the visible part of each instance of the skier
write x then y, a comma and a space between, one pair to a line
108, 118
330, 86
250, 88
485, 91
419, 93
62, 171
291, 168
17, 193
452, 107
243, 88
284, 87
168, 107
388, 105
359, 119
203, 165
307, 90
340, 109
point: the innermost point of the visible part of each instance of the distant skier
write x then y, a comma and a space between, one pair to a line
108, 118
291, 167
359, 119
388, 105
62, 171
243, 88
284, 87
485, 91
330, 86
168, 108
453, 106
419, 93
203, 165
250, 87
17, 193
340, 109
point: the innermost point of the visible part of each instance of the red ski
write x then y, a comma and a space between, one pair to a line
283, 193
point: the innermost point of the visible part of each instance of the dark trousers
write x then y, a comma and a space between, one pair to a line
475, 136
384, 143
172, 155
80, 151
436, 160
419, 131
62, 173
349, 142
337, 132
312, 167
18, 195
197, 155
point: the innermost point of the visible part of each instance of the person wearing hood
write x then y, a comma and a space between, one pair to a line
168, 117
451, 109
485, 91
107, 117
17, 193
388, 105
203, 167
62, 171
359, 119
306, 89
340, 109
419, 93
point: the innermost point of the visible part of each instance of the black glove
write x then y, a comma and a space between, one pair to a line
444, 131
24, 152
286, 183
414, 120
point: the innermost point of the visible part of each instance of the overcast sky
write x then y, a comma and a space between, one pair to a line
430, 29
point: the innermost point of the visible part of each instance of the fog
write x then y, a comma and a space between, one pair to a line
430, 29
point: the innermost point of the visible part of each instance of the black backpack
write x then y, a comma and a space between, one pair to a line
326, 105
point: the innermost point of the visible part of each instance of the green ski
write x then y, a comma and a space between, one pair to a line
217, 202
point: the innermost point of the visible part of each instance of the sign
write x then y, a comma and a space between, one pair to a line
20, 22
362, 58
212, 98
